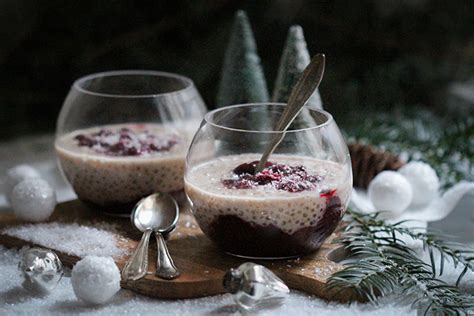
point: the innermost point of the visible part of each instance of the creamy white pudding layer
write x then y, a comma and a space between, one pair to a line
104, 179
264, 205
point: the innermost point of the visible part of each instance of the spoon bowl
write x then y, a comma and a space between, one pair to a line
158, 212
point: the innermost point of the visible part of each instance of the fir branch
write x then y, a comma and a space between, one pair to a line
384, 263
432, 240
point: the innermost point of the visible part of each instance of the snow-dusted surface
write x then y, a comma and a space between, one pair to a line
14, 300
72, 239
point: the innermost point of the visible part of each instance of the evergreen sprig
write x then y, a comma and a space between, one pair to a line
380, 264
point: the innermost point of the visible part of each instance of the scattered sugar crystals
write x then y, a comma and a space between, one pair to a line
327, 271
72, 239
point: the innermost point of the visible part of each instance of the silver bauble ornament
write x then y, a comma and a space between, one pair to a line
41, 270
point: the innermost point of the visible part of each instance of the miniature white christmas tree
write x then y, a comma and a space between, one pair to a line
293, 61
242, 79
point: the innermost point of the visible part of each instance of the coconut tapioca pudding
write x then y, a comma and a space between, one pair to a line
114, 166
288, 209
122, 135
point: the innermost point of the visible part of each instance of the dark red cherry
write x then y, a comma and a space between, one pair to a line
280, 176
126, 142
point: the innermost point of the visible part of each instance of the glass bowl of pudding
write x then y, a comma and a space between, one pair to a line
122, 135
291, 206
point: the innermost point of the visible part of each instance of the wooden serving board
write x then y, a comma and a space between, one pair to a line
202, 265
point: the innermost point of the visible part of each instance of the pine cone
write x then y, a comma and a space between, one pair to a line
368, 161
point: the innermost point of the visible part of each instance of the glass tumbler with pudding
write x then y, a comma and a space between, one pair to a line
122, 135
290, 207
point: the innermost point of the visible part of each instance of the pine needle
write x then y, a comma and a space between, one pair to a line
384, 264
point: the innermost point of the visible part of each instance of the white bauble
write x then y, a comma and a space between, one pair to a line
424, 182
17, 174
95, 279
33, 200
390, 191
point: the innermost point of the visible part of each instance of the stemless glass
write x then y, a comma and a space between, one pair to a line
122, 135
289, 208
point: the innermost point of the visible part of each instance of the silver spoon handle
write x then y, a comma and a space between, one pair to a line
137, 265
165, 267
302, 91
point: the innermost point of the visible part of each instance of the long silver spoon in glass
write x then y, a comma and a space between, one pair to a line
156, 213
302, 91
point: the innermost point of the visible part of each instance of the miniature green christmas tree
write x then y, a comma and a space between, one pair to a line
293, 61
242, 79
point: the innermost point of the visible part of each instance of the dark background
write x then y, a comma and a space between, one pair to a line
380, 53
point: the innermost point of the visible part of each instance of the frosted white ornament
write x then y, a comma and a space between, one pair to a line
17, 174
33, 200
95, 279
424, 182
390, 191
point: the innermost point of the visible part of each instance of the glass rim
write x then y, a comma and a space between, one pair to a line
207, 119
188, 83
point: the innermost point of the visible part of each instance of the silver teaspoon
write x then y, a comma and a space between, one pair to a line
302, 91
157, 213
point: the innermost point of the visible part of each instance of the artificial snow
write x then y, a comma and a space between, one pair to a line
15, 300
72, 239
95, 279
